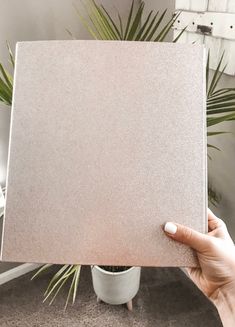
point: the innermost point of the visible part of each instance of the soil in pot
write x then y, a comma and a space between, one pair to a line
114, 268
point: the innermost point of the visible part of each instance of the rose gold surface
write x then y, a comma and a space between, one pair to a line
107, 144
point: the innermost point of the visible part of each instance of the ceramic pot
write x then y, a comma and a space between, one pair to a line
116, 287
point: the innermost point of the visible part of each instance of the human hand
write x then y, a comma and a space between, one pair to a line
215, 276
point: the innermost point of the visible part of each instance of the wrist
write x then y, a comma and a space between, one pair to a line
224, 300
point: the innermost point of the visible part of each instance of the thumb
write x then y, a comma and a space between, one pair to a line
188, 236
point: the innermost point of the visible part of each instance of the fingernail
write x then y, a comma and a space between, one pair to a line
170, 228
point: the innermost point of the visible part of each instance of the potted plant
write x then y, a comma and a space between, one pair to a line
117, 285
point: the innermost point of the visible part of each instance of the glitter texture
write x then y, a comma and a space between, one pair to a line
108, 142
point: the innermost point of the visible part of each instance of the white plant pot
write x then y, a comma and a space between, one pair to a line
118, 287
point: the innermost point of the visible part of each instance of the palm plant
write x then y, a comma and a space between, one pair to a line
101, 25
61, 277
220, 101
6, 81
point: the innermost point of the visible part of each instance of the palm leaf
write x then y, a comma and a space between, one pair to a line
216, 120
77, 276
213, 147
216, 76
180, 34
43, 268
96, 21
119, 34
222, 91
136, 22
11, 57
101, 25
220, 101
6, 76
148, 28
60, 278
74, 285
70, 291
153, 30
54, 287
5, 92
6, 81
87, 25
224, 108
121, 27
213, 196
144, 25
129, 20
166, 29
56, 277
58, 290
216, 133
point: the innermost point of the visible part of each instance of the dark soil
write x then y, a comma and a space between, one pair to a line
114, 268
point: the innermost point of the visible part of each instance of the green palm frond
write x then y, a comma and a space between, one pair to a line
213, 196
213, 147
220, 101
102, 26
216, 133
6, 81
220, 108
65, 274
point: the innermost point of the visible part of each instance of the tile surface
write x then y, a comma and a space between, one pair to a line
107, 144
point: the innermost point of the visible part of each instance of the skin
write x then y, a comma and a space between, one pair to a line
215, 276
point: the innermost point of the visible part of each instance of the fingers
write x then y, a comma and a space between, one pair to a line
198, 241
213, 221
217, 227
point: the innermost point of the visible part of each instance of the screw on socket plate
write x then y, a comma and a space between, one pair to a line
203, 29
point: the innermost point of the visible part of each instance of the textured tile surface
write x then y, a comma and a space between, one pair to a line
107, 144
167, 298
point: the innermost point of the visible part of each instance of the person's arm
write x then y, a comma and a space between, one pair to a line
224, 300
215, 275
